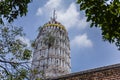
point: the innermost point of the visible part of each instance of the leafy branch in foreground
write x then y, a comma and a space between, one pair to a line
14, 54
104, 15
11, 9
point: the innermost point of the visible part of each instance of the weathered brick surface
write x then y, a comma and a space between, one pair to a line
103, 73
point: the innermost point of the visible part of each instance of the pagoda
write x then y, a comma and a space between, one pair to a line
51, 57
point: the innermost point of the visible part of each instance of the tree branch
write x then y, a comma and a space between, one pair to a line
10, 62
4, 69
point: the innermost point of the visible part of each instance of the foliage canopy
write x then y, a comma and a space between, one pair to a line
14, 54
104, 14
11, 9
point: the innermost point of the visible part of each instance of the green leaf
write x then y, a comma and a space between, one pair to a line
26, 54
105, 16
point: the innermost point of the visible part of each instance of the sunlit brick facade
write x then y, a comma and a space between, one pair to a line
111, 72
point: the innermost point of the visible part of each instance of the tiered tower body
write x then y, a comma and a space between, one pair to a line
51, 56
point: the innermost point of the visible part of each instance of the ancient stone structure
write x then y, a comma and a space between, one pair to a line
111, 72
51, 56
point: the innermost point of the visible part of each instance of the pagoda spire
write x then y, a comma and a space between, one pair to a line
54, 17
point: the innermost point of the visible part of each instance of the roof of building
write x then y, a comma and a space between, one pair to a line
89, 71
54, 23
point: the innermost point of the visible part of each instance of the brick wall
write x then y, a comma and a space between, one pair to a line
111, 72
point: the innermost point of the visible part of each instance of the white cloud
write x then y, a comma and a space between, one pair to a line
25, 40
69, 17
81, 41
49, 7
39, 11
51, 4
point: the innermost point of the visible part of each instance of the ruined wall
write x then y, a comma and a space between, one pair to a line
104, 73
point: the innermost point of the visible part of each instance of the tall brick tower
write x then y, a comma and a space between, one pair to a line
51, 57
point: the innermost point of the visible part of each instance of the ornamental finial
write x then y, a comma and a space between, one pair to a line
54, 15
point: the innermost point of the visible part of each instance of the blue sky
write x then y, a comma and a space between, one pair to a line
88, 50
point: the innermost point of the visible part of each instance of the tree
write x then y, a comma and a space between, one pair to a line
14, 54
11, 9
104, 15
